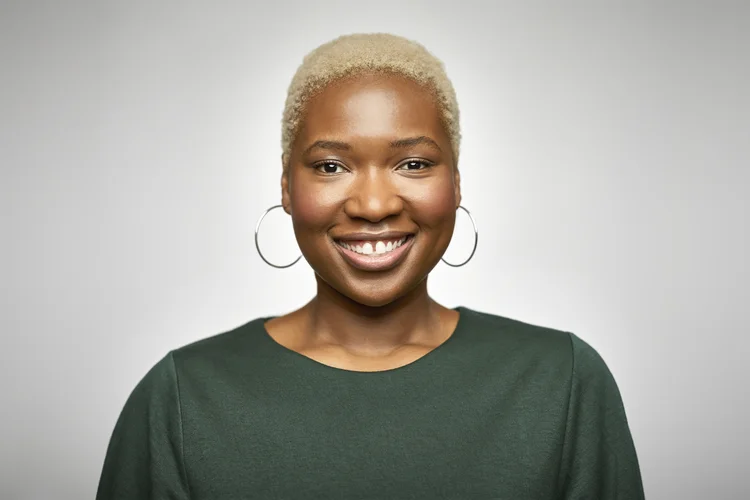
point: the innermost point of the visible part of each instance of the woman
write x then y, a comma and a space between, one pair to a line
373, 390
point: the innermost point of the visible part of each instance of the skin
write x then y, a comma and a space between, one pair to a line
370, 320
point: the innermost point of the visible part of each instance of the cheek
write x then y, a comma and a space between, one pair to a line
436, 206
312, 207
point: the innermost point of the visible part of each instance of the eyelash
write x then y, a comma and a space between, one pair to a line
319, 166
423, 162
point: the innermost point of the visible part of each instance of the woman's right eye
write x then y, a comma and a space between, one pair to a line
330, 168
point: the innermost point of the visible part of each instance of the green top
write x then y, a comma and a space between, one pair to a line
501, 410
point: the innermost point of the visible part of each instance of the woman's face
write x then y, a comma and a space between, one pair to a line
372, 187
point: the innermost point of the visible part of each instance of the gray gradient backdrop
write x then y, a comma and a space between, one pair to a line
605, 156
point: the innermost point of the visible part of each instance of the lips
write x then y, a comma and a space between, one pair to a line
369, 253
373, 246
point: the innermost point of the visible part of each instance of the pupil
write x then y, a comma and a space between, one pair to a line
330, 168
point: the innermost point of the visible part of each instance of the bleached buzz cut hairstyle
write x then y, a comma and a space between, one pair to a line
350, 55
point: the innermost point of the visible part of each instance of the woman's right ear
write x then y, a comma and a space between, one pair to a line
285, 198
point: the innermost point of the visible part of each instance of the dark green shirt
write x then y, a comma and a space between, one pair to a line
501, 410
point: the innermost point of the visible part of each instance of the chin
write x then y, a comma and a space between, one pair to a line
373, 300
378, 293
372, 289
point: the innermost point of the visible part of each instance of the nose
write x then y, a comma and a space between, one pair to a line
373, 196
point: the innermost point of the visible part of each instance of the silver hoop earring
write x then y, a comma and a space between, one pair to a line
476, 240
257, 246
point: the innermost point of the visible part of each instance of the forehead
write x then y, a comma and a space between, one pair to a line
372, 106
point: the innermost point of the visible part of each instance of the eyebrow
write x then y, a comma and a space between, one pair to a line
413, 141
336, 145
397, 144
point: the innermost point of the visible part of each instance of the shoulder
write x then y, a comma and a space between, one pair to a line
203, 358
588, 362
591, 376
159, 379
515, 336
237, 341
527, 342
160, 388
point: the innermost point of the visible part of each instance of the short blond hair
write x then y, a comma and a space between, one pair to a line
353, 54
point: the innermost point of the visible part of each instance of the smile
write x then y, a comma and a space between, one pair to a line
375, 255
377, 247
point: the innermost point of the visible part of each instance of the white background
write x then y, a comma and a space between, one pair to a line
605, 158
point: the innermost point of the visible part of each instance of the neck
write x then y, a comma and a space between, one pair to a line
334, 319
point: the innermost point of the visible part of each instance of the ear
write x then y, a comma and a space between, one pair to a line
457, 185
285, 198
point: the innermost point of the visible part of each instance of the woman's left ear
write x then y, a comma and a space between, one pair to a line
457, 186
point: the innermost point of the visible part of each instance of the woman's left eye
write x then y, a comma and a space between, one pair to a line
414, 165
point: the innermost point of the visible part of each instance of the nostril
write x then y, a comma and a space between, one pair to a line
373, 208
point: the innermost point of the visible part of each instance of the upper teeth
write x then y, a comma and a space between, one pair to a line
374, 247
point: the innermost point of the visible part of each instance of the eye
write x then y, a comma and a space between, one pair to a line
329, 168
413, 165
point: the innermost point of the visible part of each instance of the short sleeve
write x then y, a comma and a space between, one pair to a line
144, 459
599, 457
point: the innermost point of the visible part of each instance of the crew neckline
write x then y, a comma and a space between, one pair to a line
425, 359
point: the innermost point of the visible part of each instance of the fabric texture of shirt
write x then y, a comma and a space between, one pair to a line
501, 410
